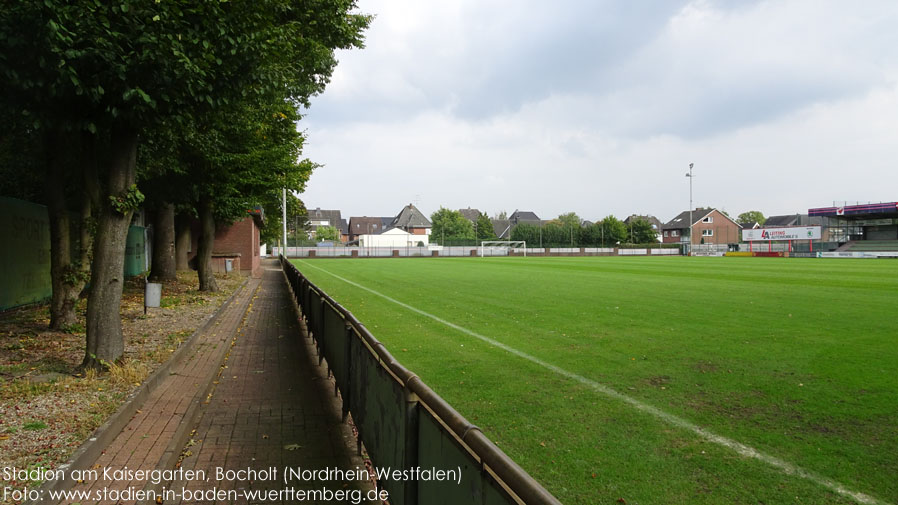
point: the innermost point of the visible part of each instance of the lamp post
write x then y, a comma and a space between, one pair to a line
689, 175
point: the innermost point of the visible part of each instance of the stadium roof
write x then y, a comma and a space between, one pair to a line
890, 208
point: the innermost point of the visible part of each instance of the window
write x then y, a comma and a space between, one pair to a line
707, 233
675, 233
708, 219
666, 234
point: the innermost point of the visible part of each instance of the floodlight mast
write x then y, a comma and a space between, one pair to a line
284, 219
690, 176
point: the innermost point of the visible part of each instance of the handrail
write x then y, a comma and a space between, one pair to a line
521, 487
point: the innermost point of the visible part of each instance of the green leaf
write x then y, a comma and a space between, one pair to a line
142, 93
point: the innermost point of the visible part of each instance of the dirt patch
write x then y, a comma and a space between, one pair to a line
705, 367
46, 409
658, 381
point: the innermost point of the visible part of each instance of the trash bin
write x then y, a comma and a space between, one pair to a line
152, 295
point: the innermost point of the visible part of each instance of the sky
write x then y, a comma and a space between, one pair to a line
598, 107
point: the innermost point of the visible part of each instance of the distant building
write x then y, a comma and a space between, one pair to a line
502, 228
470, 214
411, 219
365, 226
709, 225
654, 221
319, 217
394, 237
344, 231
524, 216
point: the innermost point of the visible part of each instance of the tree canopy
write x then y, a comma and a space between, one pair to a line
484, 227
752, 216
327, 233
641, 232
449, 225
215, 87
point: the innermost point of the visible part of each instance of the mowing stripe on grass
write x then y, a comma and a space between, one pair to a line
740, 448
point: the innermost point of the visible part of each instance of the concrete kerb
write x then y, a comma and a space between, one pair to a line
91, 449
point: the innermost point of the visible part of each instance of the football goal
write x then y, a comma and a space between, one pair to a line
501, 247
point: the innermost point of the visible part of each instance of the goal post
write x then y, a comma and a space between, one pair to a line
506, 245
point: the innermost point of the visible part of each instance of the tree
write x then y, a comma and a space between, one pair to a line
557, 234
502, 215
591, 236
752, 216
327, 233
570, 219
613, 231
31, 168
641, 232
102, 73
528, 232
163, 267
485, 229
450, 225
571, 222
239, 157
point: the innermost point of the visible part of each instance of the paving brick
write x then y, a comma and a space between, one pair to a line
279, 410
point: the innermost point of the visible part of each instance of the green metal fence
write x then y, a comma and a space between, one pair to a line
402, 422
25, 255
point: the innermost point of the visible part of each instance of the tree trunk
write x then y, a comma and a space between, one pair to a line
62, 272
163, 266
182, 242
90, 202
204, 248
105, 343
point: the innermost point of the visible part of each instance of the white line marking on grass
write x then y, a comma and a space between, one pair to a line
742, 449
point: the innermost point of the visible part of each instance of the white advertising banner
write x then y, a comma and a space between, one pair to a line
790, 233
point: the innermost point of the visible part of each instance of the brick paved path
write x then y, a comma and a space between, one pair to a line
272, 407
260, 402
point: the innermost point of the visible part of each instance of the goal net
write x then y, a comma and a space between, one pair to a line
501, 247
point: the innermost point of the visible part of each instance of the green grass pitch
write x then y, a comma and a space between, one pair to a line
797, 359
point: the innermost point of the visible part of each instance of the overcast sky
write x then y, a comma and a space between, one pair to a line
598, 107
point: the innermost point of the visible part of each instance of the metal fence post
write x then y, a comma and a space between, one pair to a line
411, 442
320, 335
349, 368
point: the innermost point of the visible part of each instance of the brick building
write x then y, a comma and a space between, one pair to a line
709, 225
237, 244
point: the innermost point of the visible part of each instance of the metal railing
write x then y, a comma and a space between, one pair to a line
401, 421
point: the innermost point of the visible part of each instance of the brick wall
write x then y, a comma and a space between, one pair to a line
240, 238
722, 229
670, 239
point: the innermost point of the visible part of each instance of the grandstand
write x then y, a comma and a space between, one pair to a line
862, 228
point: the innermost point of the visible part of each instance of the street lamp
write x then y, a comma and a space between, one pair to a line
690, 176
